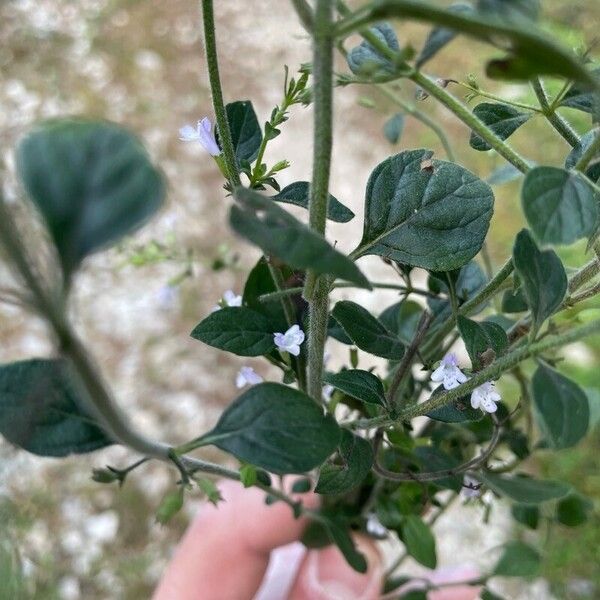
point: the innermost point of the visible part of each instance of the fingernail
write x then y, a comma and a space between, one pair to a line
332, 578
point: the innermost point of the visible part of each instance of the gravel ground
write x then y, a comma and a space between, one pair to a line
140, 63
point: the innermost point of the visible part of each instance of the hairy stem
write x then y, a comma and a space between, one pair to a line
559, 124
471, 120
305, 13
210, 44
317, 288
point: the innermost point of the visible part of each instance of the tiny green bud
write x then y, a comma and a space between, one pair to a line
105, 475
170, 505
248, 475
210, 490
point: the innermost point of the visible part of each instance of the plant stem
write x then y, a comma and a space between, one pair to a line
210, 44
389, 286
317, 288
420, 116
591, 151
560, 124
471, 120
502, 364
484, 94
491, 288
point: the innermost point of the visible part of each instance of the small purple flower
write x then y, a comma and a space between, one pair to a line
167, 297
327, 392
485, 397
247, 376
203, 133
448, 372
290, 340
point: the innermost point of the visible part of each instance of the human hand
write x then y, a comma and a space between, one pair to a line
225, 555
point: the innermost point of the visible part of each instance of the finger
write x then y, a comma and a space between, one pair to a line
325, 575
225, 551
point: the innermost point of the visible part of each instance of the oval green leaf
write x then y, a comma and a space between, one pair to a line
92, 181
502, 119
560, 206
359, 384
562, 408
367, 332
419, 541
425, 213
525, 490
239, 330
277, 428
40, 411
298, 194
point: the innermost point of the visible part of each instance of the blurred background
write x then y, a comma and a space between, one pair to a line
141, 64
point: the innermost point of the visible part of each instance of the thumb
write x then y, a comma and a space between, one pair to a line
325, 575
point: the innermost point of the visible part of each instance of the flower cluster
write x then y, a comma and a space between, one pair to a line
450, 376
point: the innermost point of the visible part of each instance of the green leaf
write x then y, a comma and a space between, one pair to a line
478, 337
584, 97
573, 510
359, 384
425, 213
341, 538
92, 181
593, 169
532, 47
432, 458
301, 486
504, 174
356, 457
239, 330
367, 332
246, 134
298, 194
402, 318
40, 411
419, 541
528, 515
277, 428
560, 206
518, 560
514, 301
456, 412
502, 119
365, 60
510, 9
279, 234
259, 282
525, 490
542, 276
562, 408
439, 37
487, 594
393, 128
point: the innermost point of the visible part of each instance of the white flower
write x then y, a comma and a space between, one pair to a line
327, 391
375, 528
471, 487
449, 373
229, 299
167, 297
485, 397
204, 133
247, 376
290, 340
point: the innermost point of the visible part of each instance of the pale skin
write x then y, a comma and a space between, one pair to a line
225, 553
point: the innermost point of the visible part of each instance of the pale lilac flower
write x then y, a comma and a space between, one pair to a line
327, 391
167, 297
290, 340
448, 372
204, 133
471, 488
247, 376
375, 528
229, 299
485, 397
